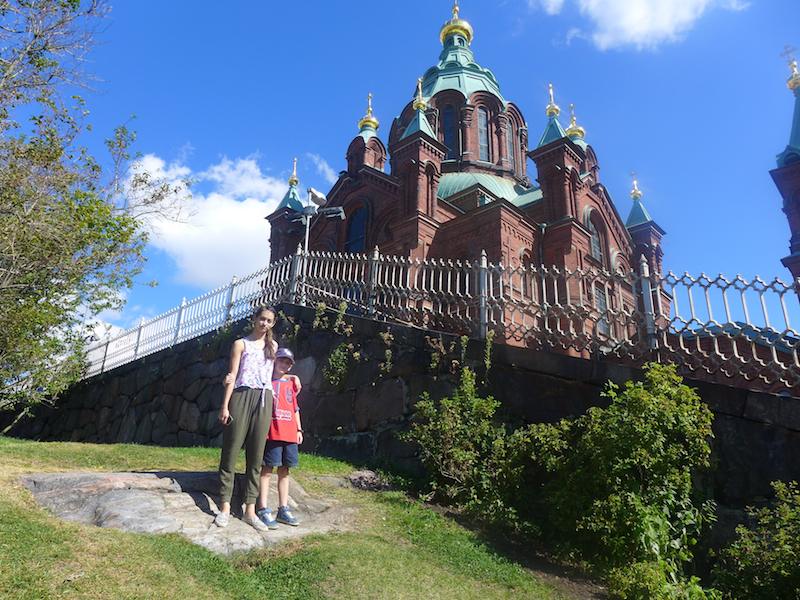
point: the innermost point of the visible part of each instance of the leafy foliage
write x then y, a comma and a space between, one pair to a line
613, 486
764, 560
71, 235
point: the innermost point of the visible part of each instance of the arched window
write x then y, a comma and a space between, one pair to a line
450, 132
357, 231
510, 146
483, 134
596, 242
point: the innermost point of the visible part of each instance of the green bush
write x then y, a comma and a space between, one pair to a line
613, 486
763, 562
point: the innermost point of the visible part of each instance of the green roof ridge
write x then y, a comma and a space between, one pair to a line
638, 215
554, 131
792, 151
291, 200
419, 122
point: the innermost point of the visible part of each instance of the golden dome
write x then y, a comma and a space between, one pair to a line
636, 193
456, 25
794, 79
552, 109
574, 130
368, 120
293, 180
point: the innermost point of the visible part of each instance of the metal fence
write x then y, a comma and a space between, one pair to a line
734, 330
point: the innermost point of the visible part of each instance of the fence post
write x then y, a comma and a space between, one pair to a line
229, 301
647, 299
138, 339
483, 297
178, 322
105, 354
294, 269
372, 282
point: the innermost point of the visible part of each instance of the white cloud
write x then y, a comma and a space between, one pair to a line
323, 168
551, 7
644, 24
224, 232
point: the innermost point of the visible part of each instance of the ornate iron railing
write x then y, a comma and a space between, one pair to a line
733, 330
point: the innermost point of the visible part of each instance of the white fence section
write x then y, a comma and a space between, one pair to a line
736, 330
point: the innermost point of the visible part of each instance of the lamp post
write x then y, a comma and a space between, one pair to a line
306, 217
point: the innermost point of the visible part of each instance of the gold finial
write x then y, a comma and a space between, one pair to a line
636, 193
793, 82
456, 25
293, 180
419, 101
574, 130
368, 120
552, 109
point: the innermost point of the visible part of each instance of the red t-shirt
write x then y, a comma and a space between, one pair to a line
284, 405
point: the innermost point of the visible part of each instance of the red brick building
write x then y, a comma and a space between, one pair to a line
457, 182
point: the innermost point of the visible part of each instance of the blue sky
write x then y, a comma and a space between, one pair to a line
689, 94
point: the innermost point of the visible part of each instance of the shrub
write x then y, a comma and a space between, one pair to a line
763, 562
613, 486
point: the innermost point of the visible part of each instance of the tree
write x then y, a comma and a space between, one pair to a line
72, 233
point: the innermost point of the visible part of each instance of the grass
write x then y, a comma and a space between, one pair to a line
399, 549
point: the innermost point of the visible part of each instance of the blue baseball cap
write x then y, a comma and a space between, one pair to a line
284, 353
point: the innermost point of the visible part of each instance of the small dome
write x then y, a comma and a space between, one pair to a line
456, 26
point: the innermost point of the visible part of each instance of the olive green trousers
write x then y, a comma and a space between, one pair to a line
251, 414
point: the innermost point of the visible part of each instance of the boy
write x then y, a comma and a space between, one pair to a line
285, 433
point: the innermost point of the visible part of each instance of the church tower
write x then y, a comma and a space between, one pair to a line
787, 177
285, 234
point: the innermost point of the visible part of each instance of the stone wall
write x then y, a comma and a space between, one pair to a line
172, 398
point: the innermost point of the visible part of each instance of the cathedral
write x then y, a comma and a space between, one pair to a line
457, 182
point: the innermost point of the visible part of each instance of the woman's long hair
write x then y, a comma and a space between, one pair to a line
269, 351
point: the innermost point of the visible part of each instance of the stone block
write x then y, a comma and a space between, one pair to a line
103, 418
110, 392
147, 374
328, 413
186, 439
211, 397
172, 406
127, 429
86, 416
175, 384
189, 418
790, 412
356, 447
170, 440
764, 408
194, 388
305, 368
380, 403
127, 384
143, 396
144, 431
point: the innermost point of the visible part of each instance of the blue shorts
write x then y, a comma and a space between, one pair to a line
281, 454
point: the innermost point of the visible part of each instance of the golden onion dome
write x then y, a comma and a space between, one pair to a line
456, 25
574, 130
636, 193
552, 109
293, 180
368, 120
794, 79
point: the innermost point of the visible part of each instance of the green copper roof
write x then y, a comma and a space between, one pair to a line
452, 183
291, 200
638, 216
554, 131
419, 122
792, 152
457, 70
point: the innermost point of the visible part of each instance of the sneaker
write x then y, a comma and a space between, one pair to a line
265, 514
222, 519
255, 523
286, 517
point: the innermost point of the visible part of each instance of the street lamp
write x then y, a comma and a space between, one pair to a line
306, 217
